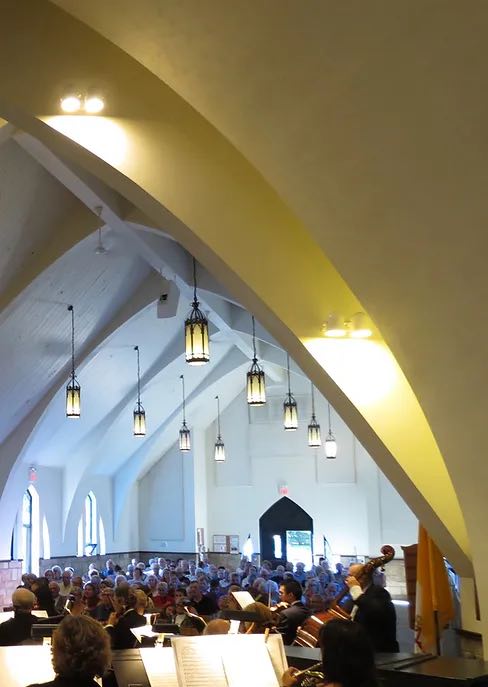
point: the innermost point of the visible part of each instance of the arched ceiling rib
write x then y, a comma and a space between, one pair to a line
335, 183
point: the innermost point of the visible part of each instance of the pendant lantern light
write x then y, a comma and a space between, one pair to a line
73, 389
219, 453
256, 383
330, 442
139, 412
290, 412
314, 439
185, 438
196, 330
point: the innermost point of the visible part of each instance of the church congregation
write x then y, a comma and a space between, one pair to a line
178, 592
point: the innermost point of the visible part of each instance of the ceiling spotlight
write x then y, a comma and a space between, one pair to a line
360, 328
94, 104
334, 327
71, 103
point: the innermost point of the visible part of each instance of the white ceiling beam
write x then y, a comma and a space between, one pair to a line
13, 447
165, 256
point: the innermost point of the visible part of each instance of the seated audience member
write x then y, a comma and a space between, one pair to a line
152, 585
130, 571
204, 604
57, 573
300, 574
59, 601
109, 570
129, 613
217, 626
267, 619
44, 599
77, 581
18, 628
90, 599
290, 619
66, 584
80, 652
48, 574
121, 581
162, 598
137, 577
347, 656
375, 609
106, 606
277, 575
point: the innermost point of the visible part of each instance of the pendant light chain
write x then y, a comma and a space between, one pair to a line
313, 401
288, 372
136, 348
71, 309
195, 301
184, 404
218, 415
328, 411
254, 338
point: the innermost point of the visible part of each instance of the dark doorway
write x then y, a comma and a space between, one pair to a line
284, 516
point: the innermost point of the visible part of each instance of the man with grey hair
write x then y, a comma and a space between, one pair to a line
18, 628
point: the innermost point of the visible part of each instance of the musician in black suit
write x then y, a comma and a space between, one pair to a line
290, 618
373, 609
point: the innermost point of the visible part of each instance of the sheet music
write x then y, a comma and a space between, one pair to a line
229, 661
243, 598
248, 662
24, 665
160, 666
143, 631
277, 654
199, 662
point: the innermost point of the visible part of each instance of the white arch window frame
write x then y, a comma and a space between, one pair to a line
91, 530
29, 531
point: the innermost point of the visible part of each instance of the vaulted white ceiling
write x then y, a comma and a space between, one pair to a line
115, 295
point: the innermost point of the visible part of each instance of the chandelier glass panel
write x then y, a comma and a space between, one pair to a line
256, 382
185, 437
290, 411
196, 330
139, 412
73, 389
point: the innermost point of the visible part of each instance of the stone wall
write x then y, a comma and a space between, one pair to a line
10, 578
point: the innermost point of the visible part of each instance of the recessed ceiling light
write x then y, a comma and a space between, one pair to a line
94, 104
71, 103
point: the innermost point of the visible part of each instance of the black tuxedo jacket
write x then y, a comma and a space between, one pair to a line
376, 613
290, 620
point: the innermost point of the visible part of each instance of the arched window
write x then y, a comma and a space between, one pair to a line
91, 532
29, 534
46, 541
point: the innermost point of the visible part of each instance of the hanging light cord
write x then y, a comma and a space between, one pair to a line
254, 338
218, 416
136, 348
328, 411
72, 311
288, 372
313, 402
195, 282
183, 385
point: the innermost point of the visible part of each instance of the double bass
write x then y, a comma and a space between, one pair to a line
308, 633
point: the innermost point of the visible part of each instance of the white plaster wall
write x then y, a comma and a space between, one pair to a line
166, 504
350, 501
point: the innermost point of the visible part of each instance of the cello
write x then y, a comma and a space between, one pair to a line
308, 633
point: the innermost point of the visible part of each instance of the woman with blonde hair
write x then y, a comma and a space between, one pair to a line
80, 652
